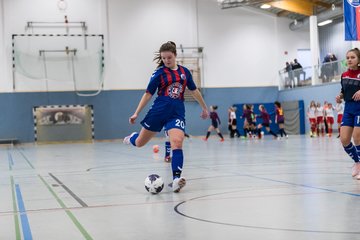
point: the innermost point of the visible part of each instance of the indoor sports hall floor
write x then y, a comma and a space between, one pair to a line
296, 188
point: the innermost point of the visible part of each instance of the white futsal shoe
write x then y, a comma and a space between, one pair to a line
356, 170
178, 184
127, 139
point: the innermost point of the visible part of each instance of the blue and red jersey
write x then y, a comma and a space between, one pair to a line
171, 83
168, 109
350, 84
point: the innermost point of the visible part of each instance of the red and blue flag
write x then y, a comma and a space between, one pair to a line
352, 20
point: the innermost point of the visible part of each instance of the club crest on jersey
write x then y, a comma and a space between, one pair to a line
358, 76
183, 77
174, 90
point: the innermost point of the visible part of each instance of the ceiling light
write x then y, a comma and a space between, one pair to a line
265, 6
325, 22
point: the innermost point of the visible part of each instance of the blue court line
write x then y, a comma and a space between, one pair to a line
24, 219
296, 184
303, 185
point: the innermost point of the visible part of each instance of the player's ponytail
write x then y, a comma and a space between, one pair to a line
169, 46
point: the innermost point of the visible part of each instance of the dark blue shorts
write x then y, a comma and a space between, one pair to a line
265, 124
351, 116
165, 113
215, 124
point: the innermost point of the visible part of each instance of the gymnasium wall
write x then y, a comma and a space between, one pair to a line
236, 41
329, 38
113, 108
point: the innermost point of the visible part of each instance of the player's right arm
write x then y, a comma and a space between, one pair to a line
143, 102
150, 90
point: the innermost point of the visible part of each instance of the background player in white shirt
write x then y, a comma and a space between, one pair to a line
329, 115
339, 107
320, 128
312, 118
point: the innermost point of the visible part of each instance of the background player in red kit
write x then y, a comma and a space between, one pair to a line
339, 107
168, 109
215, 122
265, 121
311, 114
279, 118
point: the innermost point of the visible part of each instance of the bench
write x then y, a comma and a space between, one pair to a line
9, 141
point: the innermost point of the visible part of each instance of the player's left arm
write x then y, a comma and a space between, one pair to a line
196, 94
217, 116
198, 97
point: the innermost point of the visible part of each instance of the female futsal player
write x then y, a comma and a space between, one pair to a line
319, 113
168, 109
350, 92
311, 114
279, 118
329, 115
215, 122
233, 123
266, 121
339, 107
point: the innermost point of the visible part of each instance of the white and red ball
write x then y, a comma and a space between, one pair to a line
154, 184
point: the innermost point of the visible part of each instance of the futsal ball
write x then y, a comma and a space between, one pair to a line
156, 148
154, 184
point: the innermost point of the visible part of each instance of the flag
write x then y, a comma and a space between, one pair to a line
352, 20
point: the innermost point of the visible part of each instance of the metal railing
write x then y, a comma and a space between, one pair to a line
325, 72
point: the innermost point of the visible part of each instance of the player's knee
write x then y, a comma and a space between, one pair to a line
345, 140
176, 143
356, 138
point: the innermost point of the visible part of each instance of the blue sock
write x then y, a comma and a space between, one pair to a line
358, 151
133, 139
167, 149
177, 162
351, 150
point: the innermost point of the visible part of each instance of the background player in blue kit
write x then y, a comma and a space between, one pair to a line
168, 109
350, 92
